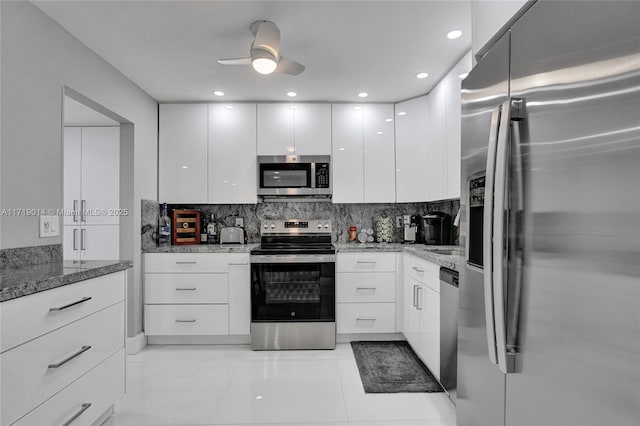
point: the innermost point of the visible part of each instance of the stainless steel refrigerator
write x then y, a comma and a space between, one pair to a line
549, 307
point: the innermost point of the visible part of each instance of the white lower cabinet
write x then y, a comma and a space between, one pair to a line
50, 370
422, 310
197, 294
366, 293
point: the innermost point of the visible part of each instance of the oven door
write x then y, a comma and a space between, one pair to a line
292, 288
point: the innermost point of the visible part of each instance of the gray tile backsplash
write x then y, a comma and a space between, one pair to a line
341, 215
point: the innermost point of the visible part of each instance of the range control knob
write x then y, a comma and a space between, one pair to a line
273, 225
266, 226
319, 225
326, 226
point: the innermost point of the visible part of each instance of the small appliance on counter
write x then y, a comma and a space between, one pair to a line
437, 228
231, 235
410, 229
186, 227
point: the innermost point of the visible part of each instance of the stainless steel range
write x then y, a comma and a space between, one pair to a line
293, 286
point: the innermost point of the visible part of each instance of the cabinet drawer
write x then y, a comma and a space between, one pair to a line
100, 387
35, 371
186, 320
365, 287
186, 288
424, 271
366, 317
93, 295
192, 262
366, 262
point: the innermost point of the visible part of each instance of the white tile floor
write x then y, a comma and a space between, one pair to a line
232, 385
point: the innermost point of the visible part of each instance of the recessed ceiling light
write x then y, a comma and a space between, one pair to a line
363, 94
388, 120
452, 35
402, 113
379, 133
225, 181
341, 149
422, 75
292, 94
259, 397
185, 167
463, 75
233, 184
218, 93
229, 107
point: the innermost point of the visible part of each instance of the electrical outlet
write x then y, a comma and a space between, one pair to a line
240, 222
49, 226
399, 221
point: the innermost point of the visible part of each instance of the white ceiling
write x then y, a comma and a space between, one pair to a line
77, 114
170, 48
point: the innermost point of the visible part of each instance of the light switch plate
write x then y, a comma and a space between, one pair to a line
240, 221
49, 226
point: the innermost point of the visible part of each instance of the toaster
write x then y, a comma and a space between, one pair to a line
232, 235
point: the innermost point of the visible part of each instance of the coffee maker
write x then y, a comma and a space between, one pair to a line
410, 229
437, 228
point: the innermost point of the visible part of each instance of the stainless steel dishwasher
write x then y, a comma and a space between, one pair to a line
449, 331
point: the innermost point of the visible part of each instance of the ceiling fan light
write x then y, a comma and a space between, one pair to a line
264, 65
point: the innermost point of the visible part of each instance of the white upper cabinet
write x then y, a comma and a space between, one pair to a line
286, 129
312, 131
232, 154
276, 129
379, 154
436, 159
453, 84
347, 154
412, 151
183, 153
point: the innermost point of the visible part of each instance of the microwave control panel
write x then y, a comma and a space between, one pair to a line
322, 175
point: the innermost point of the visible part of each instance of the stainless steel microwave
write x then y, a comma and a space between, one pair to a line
294, 175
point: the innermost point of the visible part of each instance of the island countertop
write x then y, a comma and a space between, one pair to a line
20, 282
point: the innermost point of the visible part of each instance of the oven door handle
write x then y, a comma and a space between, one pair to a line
293, 258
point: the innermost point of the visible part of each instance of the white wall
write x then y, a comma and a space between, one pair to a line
38, 58
488, 17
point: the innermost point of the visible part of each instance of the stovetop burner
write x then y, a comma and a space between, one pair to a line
295, 236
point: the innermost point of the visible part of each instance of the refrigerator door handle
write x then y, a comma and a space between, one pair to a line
487, 248
499, 224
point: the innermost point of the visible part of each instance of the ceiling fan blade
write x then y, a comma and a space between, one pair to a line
235, 61
289, 66
267, 38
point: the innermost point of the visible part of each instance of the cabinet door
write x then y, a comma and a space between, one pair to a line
312, 129
183, 153
239, 295
347, 153
411, 317
99, 242
101, 175
453, 124
71, 242
72, 173
232, 154
411, 129
436, 158
429, 338
276, 129
379, 154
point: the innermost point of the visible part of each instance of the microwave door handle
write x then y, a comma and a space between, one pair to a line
313, 174
487, 249
499, 224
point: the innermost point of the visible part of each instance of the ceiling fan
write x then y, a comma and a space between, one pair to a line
264, 53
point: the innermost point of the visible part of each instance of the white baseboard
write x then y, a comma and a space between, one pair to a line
199, 340
136, 343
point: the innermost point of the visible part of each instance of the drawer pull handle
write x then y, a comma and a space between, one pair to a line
192, 262
185, 289
366, 288
238, 264
366, 261
186, 320
84, 408
365, 318
70, 357
415, 268
60, 308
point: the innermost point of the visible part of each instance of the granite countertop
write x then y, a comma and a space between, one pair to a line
203, 248
19, 282
434, 254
